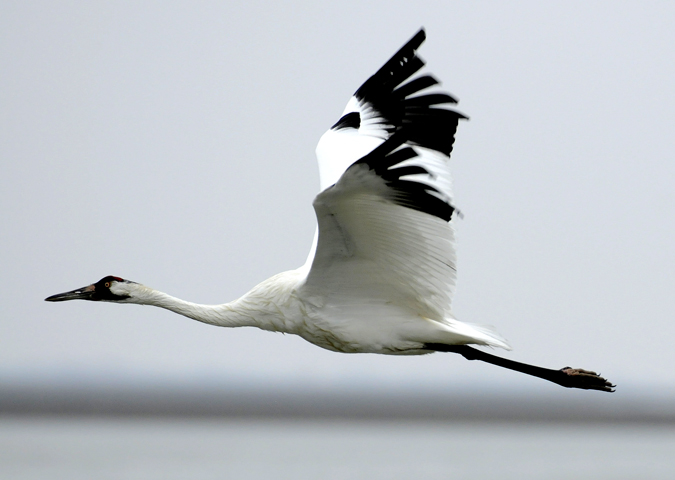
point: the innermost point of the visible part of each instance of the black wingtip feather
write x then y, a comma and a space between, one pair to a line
429, 99
405, 192
415, 85
387, 96
405, 52
386, 148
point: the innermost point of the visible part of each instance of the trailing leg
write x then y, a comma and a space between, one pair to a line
567, 377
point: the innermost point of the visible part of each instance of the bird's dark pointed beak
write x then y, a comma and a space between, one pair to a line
84, 293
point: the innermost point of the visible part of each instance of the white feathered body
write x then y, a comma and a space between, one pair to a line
381, 273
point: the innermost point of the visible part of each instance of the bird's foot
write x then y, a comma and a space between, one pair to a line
585, 379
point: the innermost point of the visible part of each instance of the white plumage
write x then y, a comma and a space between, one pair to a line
381, 274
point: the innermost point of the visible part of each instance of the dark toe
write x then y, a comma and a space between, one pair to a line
584, 379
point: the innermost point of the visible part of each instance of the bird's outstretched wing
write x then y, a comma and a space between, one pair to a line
385, 214
382, 106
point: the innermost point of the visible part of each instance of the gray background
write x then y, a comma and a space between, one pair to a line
172, 144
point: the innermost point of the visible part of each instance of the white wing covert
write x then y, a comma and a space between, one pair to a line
385, 214
384, 236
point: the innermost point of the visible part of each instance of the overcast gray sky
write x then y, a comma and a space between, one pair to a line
173, 144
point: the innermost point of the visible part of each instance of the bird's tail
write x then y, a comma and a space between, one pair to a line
479, 334
494, 338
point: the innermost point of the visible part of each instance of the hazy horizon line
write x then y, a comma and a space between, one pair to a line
273, 402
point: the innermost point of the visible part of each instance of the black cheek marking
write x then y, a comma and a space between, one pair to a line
102, 292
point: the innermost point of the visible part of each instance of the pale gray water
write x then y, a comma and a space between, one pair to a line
128, 448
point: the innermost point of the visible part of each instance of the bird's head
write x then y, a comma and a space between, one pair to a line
107, 289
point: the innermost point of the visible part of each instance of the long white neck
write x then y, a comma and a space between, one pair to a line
271, 305
225, 315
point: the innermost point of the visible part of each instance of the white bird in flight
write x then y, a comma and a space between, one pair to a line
381, 273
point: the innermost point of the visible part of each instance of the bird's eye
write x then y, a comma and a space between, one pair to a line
107, 284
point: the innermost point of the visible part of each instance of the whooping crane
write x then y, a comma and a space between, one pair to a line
381, 273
